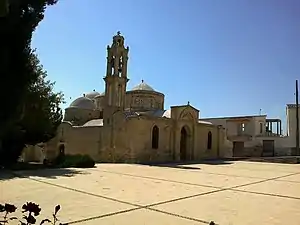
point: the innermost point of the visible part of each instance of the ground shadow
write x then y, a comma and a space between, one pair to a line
187, 164
45, 173
176, 166
216, 162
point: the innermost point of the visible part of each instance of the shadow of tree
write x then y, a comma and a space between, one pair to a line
44, 173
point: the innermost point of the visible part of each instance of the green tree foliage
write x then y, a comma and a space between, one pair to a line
29, 108
41, 109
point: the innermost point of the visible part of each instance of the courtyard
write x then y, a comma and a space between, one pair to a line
228, 193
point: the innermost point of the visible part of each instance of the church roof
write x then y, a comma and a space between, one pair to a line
83, 103
142, 87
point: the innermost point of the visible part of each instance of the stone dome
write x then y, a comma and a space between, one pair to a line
83, 103
142, 87
91, 95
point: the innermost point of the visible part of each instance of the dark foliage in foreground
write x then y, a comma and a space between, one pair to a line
30, 212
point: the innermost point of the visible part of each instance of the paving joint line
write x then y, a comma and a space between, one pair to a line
262, 181
101, 216
267, 194
162, 179
209, 186
218, 174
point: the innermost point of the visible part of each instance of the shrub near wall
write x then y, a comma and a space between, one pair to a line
77, 161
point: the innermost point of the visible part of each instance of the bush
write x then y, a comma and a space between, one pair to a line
77, 161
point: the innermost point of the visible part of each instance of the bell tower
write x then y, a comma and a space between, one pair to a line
116, 77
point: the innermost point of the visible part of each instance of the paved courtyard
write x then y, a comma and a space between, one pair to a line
229, 193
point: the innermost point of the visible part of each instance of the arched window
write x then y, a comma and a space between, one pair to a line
209, 140
155, 137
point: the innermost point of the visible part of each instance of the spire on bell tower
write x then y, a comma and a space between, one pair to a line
117, 57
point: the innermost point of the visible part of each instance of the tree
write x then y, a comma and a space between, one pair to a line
16, 29
41, 115
3, 8
18, 70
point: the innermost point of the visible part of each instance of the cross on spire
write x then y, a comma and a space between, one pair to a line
119, 33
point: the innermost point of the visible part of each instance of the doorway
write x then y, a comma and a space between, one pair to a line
183, 144
268, 148
238, 148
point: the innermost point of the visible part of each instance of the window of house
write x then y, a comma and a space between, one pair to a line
209, 140
155, 137
243, 127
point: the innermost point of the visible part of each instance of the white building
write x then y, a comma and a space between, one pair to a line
257, 135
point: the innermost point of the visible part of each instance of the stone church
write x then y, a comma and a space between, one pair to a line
123, 125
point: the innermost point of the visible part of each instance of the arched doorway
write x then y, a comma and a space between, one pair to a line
183, 144
61, 150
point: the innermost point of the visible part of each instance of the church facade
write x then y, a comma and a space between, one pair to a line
123, 125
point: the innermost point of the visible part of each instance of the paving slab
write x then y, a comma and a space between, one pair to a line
126, 188
75, 206
235, 208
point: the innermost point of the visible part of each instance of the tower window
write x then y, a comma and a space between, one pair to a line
260, 128
209, 140
155, 137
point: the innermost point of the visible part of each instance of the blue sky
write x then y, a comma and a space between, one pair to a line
227, 57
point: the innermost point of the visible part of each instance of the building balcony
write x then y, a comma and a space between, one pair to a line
268, 134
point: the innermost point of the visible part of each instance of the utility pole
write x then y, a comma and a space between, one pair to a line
297, 120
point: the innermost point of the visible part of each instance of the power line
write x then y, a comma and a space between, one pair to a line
297, 120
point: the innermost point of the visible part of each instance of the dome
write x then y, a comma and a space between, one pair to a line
91, 95
142, 87
83, 103
100, 95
